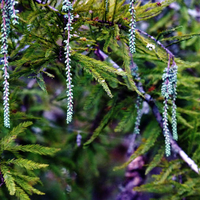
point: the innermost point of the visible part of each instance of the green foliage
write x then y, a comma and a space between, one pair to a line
153, 132
127, 119
105, 93
9, 180
7, 141
171, 188
17, 183
103, 123
153, 10
156, 160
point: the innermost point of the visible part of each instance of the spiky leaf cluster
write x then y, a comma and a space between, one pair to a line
17, 183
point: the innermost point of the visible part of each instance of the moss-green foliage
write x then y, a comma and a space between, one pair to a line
153, 132
104, 100
17, 183
156, 160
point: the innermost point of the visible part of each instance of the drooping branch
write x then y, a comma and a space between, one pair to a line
152, 103
168, 91
51, 7
158, 42
174, 145
147, 97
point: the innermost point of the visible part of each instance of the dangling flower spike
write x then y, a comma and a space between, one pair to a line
106, 5
134, 69
168, 91
8, 13
132, 29
134, 73
67, 7
78, 139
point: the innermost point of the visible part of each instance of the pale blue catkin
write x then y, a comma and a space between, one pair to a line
8, 13
67, 8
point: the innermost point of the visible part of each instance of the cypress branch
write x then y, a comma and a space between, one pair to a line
27, 164
9, 180
175, 148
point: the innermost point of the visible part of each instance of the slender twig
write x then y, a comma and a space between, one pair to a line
51, 7
158, 42
110, 23
1, 179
